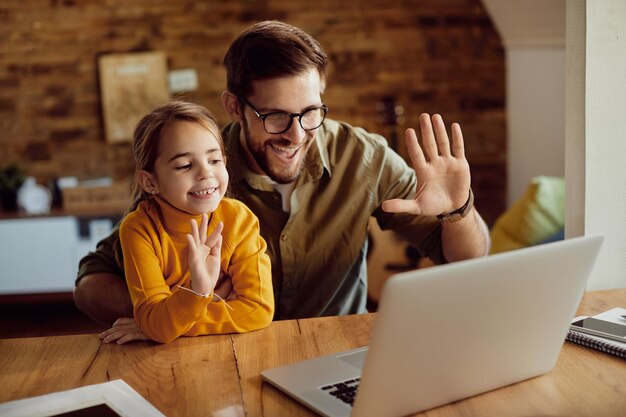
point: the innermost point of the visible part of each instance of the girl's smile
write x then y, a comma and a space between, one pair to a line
203, 193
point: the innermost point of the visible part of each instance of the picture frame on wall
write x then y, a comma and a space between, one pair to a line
131, 84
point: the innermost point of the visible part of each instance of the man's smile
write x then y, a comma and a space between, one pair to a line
285, 152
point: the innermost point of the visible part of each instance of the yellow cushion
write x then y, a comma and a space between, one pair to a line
536, 216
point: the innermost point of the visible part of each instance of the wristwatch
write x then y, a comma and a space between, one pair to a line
459, 213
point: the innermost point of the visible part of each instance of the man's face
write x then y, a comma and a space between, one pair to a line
281, 156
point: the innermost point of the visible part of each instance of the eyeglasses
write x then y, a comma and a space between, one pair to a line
280, 121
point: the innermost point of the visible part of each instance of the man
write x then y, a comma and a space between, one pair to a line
314, 183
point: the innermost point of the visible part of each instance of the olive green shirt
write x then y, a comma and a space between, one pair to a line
318, 250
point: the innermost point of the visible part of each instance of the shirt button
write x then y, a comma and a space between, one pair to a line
283, 237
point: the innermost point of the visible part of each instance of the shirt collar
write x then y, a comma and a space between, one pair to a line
322, 148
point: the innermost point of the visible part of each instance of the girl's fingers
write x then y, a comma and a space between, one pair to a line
194, 232
204, 222
217, 233
125, 338
116, 326
115, 334
135, 335
105, 334
191, 243
124, 330
216, 249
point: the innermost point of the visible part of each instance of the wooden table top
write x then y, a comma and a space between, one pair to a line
220, 375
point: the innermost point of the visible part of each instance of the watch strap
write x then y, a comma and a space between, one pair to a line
459, 213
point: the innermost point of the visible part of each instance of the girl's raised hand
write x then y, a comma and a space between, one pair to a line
204, 255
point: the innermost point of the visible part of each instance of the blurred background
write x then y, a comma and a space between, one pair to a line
391, 60
63, 65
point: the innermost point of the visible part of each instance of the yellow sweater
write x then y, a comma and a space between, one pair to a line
156, 261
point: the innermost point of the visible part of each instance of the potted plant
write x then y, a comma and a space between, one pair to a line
12, 177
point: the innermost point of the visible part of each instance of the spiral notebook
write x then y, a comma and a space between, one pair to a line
602, 344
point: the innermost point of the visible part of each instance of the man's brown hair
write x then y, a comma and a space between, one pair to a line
271, 49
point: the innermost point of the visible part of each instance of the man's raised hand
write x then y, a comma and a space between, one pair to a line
443, 174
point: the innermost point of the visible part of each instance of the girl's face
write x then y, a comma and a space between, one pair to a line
190, 171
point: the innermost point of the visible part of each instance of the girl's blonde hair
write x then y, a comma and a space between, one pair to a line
146, 141
147, 137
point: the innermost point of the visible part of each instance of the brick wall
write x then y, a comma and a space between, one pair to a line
428, 55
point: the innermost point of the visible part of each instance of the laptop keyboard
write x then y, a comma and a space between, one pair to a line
344, 390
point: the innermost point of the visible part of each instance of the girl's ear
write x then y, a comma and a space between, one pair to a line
231, 104
147, 182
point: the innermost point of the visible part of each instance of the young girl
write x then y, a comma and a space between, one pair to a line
181, 233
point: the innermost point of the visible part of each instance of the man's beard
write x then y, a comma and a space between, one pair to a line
260, 154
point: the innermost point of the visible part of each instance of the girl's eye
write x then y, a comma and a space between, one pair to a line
215, 161
183, 167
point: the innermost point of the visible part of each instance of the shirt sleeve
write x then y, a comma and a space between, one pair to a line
104, 259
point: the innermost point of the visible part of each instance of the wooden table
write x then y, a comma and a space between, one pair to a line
220, 375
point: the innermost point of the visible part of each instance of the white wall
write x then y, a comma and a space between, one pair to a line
533, 34
535, 115
596, 132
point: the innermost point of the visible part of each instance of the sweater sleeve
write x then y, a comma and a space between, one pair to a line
162, 314
249, 269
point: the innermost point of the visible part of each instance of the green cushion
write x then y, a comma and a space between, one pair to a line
535, 217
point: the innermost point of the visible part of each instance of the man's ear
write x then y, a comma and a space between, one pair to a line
232, 106
147, 182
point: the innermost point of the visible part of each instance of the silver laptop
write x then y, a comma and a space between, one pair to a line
449, 332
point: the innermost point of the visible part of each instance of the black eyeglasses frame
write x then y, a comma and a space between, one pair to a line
264, 116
